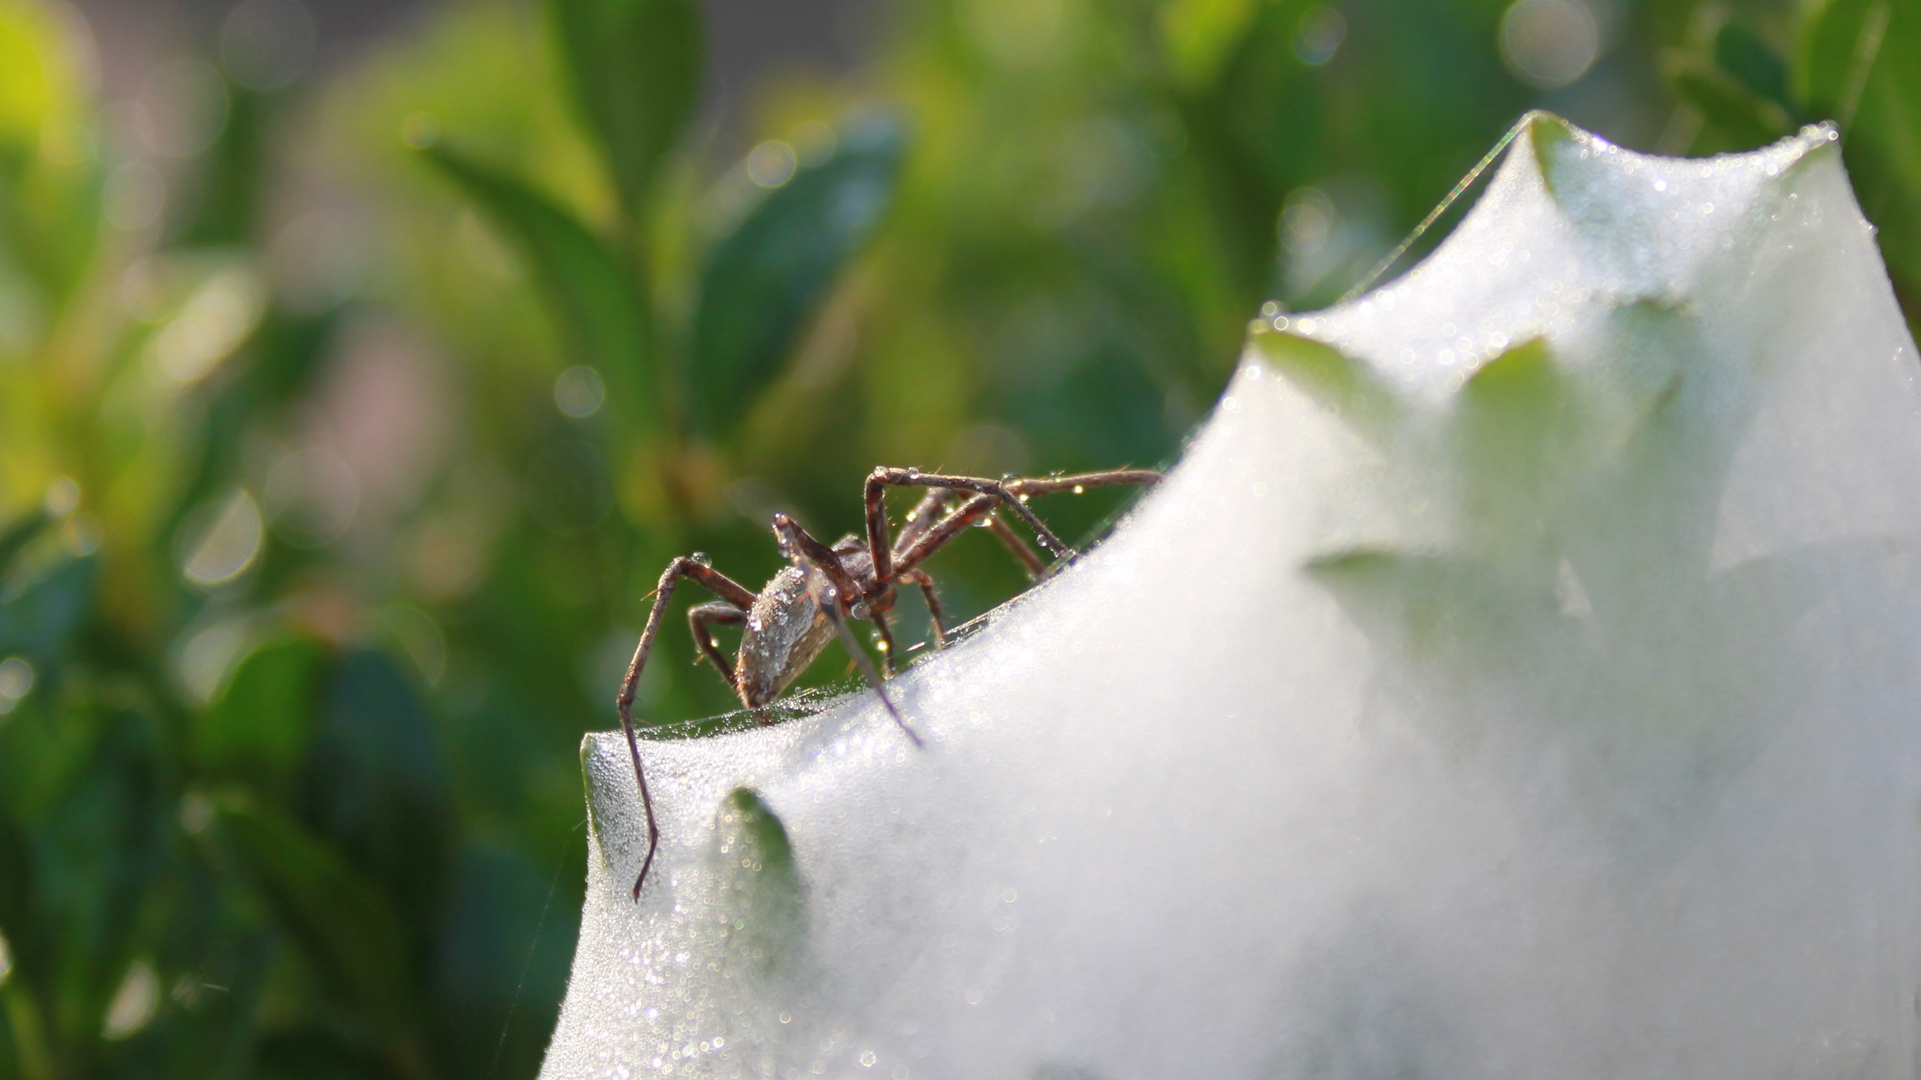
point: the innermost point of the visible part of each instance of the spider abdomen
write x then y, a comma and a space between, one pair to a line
786, 629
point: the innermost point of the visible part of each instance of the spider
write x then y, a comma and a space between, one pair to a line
789, 623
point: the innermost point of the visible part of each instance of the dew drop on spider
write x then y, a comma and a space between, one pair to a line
701, 558
1079, 490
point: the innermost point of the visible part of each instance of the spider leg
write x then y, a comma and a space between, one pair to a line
886, 635
832, 587
995, 490
720, 585
1009, 493
1048, 485
1030, 561
717, 613
921, 518
942, 531
934, 612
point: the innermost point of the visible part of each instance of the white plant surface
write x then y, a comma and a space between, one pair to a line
1518, 676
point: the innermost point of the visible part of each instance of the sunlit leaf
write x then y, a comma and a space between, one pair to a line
763, 282
635, 67
1198, 35
41, 80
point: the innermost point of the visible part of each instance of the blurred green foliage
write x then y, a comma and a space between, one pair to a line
339, 448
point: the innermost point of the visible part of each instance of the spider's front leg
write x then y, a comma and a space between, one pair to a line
834, 588
720, 585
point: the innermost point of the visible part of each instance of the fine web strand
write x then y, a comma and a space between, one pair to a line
1367, 280
507, 1022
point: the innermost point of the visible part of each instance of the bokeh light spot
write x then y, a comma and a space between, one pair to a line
579, 392
134, 1003
16, 682
1549, 43
226, 545
772, 163
1321, 32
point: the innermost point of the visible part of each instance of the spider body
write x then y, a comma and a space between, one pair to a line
789, 623
787, 628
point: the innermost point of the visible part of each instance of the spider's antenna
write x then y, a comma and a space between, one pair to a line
1367, 280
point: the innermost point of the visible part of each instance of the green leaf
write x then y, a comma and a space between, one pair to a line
1200, 35
635, 66
503, 948
1860, 64
764, 281
373, 784
760, 886
1346, 387
39, 618
1733, 118
259, 727
15, 537
343, 926
1837, 52
1457, 613
96, 851
1752, 62
594, 299
17, 892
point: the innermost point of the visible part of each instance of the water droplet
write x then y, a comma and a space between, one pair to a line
701, 558
1079, 490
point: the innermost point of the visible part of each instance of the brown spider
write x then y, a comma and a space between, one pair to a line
807, 604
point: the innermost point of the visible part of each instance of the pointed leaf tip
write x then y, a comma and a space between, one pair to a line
595, 301
635, 69
1344, 385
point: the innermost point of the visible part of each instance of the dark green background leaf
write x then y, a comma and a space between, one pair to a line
764, 281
